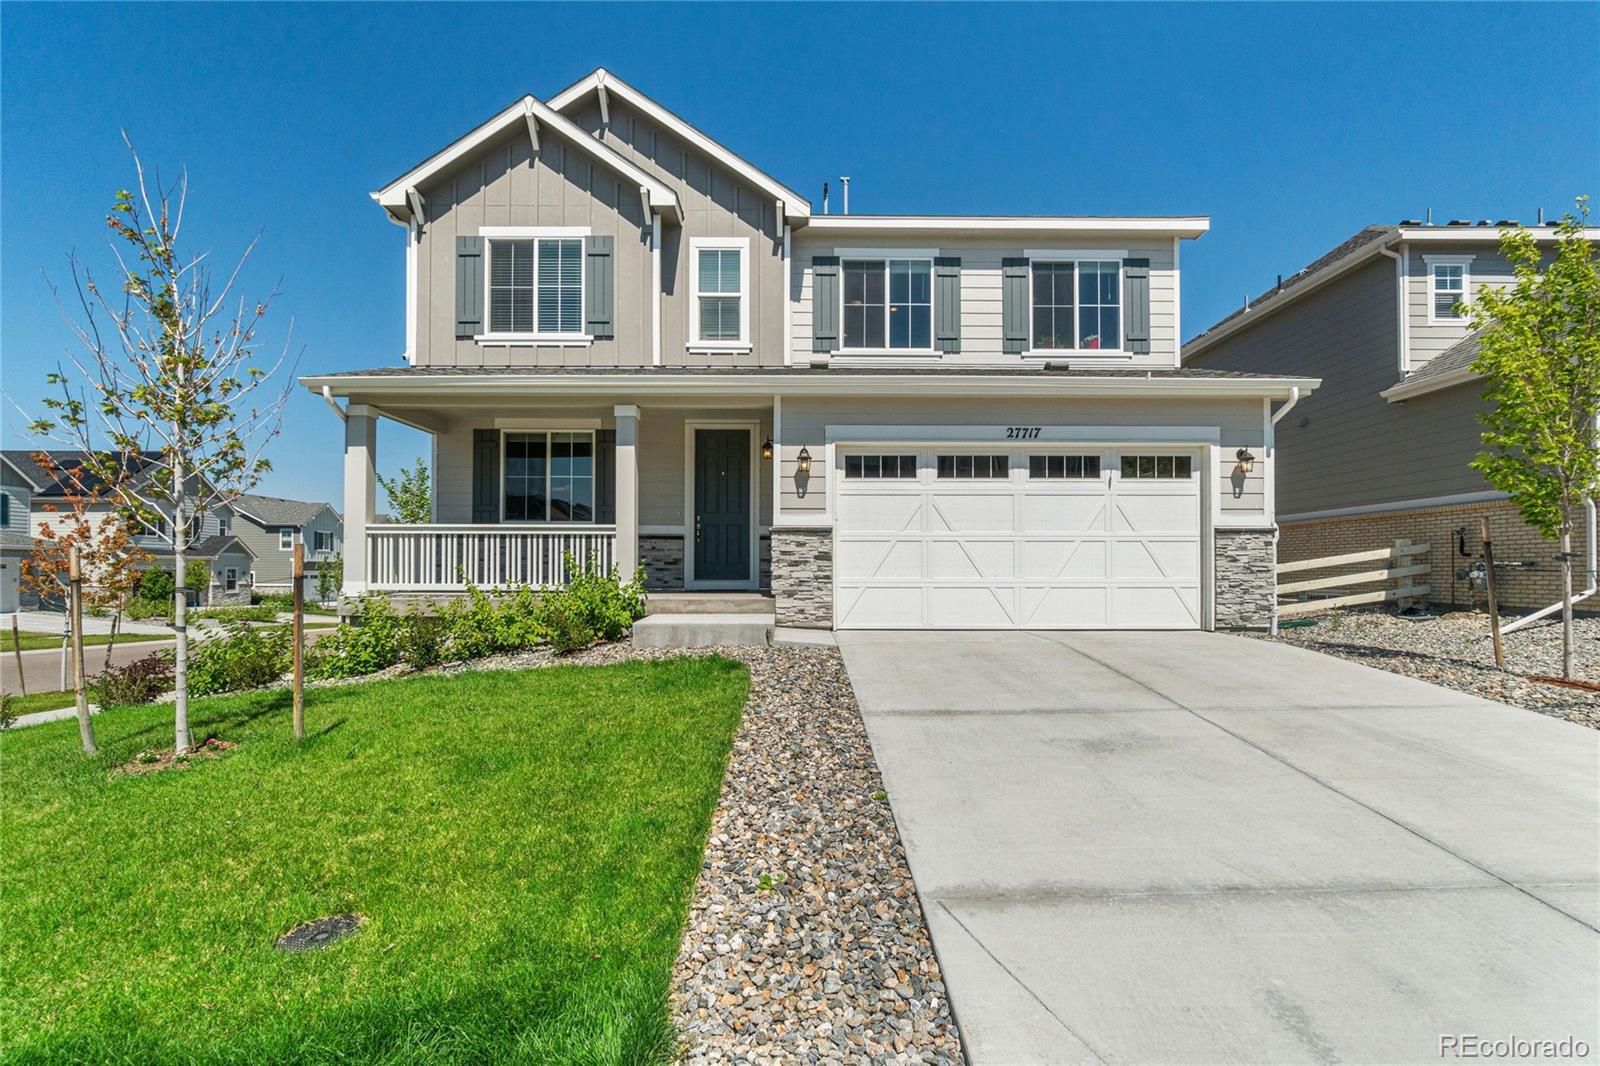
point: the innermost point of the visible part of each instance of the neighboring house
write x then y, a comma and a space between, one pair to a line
228, 558
1381, 451
273, 526
631, 344
16, 537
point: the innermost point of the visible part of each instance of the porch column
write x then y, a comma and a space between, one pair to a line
360, 492
627, 488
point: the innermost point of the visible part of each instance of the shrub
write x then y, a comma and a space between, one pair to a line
139, 609
156, 586
278, 601
244, 658
370, 642
330, 579
422, 640
594, 603
568, 623
139, 681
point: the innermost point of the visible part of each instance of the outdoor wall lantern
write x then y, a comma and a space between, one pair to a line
766, 448
1247, 462
802, 462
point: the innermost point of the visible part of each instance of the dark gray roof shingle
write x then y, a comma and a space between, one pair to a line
275, 511
1458, 356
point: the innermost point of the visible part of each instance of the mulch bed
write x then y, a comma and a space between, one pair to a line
155, 760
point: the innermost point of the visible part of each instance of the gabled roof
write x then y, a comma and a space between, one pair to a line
1449, 368
397, 196
276, 511
27, 472
66, 459
218, 543
605, 83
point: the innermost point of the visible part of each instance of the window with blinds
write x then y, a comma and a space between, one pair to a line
720, 292
1449, 289
536, 284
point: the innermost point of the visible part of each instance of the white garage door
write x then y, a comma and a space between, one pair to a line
979, 537
10, 572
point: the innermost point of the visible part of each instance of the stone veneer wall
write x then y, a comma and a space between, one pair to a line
1514, 541
1246, 578
663, 561
802, 577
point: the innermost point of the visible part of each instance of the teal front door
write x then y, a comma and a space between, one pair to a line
721, 505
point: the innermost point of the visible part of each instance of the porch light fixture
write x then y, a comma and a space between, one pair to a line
766, 448
802, 462
1247, 462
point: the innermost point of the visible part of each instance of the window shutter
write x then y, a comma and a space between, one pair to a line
947, 303
1136, 306
1014, 304
5, 509
469, 286
598, 285
605, 477
825, 303
486, 476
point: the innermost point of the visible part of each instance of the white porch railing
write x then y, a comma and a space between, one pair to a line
440, 558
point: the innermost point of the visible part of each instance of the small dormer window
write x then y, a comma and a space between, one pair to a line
1448, 281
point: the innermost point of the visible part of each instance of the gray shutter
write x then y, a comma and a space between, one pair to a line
1014, 304
469, 286
598, 285
486, 475
1136, 306
824, 303
947, 303
605, 476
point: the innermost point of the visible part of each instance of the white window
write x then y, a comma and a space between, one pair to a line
230, 579
1077, 304
535, 286
887, 304
322, 540
547, 477
720, 309
224, 525
286, 540
1448, 280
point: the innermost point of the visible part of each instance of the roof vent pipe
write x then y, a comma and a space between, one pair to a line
824, 197
844, 183
1541, 216
1280, 282
1430, 216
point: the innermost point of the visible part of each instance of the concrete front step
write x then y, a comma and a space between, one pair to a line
702, 630
708, 603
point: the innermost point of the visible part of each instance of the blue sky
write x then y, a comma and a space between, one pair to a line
1291, 126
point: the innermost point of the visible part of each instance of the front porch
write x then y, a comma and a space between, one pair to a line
683, 490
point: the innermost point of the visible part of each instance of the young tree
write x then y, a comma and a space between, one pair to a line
330, 579
410, 495
1540, 349
90, 525
170, 378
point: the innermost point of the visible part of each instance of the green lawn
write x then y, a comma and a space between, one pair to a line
523, 845
31, 641
46, 701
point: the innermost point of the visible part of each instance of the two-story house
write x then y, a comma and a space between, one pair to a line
629, 343
1381, 452
228, 559
272, 526
16, 537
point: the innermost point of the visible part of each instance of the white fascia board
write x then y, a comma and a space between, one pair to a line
1186, 226
1407, 390
795, 205
393, 197
1335, 269
498, 386
1481, 234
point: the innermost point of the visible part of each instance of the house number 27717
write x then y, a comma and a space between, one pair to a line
1022, 432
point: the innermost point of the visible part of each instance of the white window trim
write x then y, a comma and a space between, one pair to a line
888, 255
545, 523
696, 246
230, 579
289, 547
490, 234
1078, 256
1465, 263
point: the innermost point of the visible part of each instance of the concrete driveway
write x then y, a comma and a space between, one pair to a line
1163, 847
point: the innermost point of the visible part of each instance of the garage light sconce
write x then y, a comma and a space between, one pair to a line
1247, 462
802, 462
766, 448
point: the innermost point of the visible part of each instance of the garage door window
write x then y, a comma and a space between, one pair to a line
973, 466
1157, 467
1063, 467
880, 466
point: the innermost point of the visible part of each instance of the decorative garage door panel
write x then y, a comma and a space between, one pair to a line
1091, 539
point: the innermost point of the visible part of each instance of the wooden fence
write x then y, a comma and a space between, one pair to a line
1398, 566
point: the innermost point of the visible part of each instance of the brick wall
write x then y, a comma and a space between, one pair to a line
1514, 541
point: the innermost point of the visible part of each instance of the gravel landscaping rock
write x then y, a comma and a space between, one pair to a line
1455, 650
